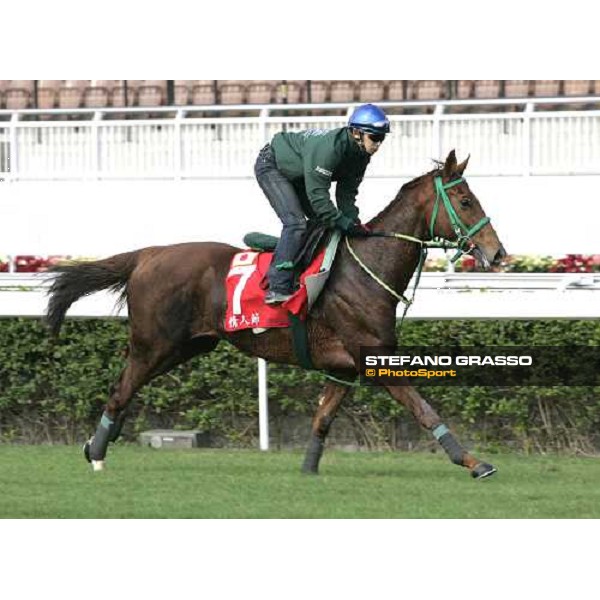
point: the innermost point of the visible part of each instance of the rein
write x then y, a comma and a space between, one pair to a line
463, 234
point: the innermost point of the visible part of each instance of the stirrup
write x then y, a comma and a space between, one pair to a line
277, 297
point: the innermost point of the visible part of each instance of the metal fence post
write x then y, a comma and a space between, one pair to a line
527, 150
13, 154
262, 126
178, 153
263, 405
96, 144
436, 133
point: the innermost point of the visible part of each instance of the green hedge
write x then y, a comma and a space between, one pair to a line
54, 392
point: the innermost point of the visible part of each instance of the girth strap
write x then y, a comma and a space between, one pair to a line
300, 341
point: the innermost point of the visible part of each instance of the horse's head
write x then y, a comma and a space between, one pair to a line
455, 214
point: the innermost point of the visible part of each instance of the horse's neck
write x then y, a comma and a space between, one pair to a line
395, 260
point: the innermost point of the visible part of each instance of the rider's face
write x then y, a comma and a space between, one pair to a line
372, 145
370, 142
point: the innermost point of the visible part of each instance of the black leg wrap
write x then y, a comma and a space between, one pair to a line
313, 455
115, 430
453, 449
103, 435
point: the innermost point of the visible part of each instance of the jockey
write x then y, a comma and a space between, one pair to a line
295, 172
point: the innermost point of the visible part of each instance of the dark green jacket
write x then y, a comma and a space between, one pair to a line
312, 159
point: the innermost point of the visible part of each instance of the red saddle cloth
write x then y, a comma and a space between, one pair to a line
246, 308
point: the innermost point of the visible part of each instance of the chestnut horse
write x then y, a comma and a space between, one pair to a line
176, 302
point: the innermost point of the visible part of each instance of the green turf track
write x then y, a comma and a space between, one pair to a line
56, 482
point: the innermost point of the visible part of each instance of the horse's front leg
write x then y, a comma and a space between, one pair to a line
329, 403
430, 420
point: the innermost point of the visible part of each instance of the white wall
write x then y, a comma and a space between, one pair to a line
536, 215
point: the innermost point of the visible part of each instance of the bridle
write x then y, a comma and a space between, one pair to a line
463, 244
463, 233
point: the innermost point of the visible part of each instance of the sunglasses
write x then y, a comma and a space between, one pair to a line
376, 137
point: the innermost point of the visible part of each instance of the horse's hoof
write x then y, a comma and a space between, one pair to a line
483, 470
308, 469
86, 450
309, 472
98, 465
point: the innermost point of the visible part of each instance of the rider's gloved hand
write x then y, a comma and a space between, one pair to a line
352, 228
343, 223
358, 229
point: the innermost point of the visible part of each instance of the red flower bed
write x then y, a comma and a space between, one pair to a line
32, 264
571, 263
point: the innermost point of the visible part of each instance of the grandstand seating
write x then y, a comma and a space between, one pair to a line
182, 89
464, 89
231, 91
152, 92
97, 93
317, 91
396, 90
3, 85
341, 91
428, 89
543, 88
371, 91
516, 88
260, 92
68, 94
121, 89
486, 88
290, 92
47, 93
577, 87
19, 94
203, 92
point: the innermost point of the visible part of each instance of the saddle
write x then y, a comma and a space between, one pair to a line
317, 236
245, 282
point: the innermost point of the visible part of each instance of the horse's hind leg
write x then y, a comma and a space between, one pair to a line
430, 420
329, 403
135, 374
142, 366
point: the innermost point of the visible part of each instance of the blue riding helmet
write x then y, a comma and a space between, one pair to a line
369, 118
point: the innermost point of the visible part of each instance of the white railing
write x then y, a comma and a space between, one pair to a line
440, 296
178, 143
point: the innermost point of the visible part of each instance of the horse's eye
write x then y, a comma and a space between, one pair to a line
465, 202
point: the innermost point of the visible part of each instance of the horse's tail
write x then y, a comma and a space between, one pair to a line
76, 280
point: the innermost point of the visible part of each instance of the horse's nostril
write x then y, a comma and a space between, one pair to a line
499, 255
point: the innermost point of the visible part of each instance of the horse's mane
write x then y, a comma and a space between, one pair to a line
418, 180
409, 186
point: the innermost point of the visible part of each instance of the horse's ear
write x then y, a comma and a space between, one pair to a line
460, 169
450, 164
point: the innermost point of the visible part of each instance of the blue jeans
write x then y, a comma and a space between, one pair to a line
285, 202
